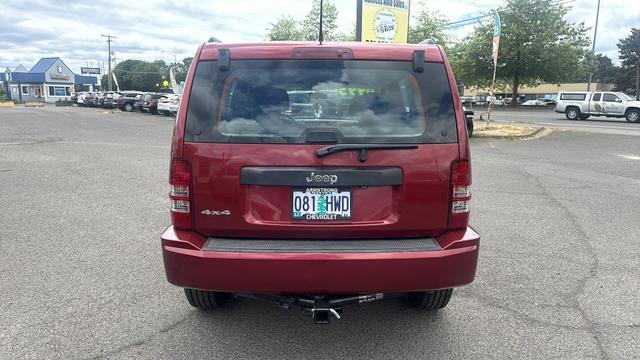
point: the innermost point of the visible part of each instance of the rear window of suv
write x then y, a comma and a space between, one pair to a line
282, 101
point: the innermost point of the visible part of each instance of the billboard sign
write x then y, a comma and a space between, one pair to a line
90, 70
385, 21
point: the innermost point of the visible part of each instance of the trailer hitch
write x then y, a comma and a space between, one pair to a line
321, 307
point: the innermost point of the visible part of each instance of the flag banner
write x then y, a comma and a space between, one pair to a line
496, 38
115, 81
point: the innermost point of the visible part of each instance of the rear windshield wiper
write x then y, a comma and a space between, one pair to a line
361, 148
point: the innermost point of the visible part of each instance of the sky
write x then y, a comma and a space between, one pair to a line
158, 29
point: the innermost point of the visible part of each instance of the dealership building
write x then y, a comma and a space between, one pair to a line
48, 80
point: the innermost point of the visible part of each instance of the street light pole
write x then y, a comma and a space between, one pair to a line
109, 39
593, 46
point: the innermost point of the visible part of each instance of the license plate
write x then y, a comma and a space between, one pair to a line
321, 204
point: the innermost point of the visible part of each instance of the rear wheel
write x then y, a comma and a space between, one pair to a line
430, 300
572, 113
128, 107
207, 300
633, 115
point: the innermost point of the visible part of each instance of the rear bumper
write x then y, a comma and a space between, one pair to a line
187, 264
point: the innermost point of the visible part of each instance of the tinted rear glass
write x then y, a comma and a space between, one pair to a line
284, 101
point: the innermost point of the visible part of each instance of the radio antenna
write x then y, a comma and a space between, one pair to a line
320, 37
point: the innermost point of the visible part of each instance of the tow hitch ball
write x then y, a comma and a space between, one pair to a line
323, 316
325, 308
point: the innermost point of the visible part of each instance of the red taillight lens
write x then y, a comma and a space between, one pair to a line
179, 194
460, 196
460, 173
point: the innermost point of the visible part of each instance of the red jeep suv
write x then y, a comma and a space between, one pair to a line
320, 175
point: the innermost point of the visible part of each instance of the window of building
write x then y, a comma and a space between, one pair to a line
610, 98
25, 90
57, 91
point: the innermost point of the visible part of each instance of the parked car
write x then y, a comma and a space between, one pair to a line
468, 100
89, 99
534, 103
583, 104
163, 105
126, 101
324, 209
80, 98
99, 99
498, 102
169, 105
110, 99
138, 104
150, 104
468, 115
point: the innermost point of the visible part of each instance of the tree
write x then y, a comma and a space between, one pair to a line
285, 28
310, 27
139, 75
629, 50
537, 45
605, 71
288, 28
180, 69
429, 25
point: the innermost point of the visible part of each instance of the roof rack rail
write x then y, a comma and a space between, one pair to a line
214, 39
427, 42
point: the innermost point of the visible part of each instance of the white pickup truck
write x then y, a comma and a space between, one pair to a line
582, 104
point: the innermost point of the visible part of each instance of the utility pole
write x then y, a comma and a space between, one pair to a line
593, 46
109, 39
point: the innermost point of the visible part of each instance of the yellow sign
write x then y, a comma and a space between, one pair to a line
385, 21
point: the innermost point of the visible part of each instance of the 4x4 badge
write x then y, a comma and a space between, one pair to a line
216, 213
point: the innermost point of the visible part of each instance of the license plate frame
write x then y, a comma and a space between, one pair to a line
320, 215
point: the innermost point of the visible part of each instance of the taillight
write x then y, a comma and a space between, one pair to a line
460, 196
179, 194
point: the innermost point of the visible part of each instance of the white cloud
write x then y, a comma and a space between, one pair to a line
150, 30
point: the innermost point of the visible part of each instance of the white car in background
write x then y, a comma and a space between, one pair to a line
80, 99
534, 103
169, 105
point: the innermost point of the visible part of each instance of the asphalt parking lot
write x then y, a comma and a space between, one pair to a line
546, 117
84, 202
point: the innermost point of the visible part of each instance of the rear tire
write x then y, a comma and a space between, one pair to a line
572, 113
430, 300
208, 300
470, 128
128, 107
632, 115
